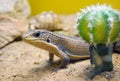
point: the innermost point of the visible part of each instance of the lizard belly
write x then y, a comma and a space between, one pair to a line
76, 57
75, 54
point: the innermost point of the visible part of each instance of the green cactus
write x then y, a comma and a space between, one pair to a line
99, 25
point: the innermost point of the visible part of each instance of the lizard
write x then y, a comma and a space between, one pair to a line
65, 47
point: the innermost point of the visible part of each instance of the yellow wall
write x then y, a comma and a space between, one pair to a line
67, 6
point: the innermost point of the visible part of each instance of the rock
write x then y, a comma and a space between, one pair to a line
16, 8
69, 22
46, 20
99, 78
10, 29
1, 53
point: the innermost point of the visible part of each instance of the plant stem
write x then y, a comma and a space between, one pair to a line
101, 57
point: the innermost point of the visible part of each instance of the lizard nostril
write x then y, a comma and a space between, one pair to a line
24, 36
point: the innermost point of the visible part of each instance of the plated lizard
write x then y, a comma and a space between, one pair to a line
65, 47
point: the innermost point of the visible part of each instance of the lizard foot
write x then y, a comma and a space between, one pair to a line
64, 60
60, 63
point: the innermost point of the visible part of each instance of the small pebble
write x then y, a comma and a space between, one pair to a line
36, 63
1, 60
108, 75
1, 53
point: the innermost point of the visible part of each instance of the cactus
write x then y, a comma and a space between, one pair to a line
99, 25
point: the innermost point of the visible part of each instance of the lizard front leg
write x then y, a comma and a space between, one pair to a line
64, 60
51, 57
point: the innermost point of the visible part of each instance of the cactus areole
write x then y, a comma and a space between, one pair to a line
99, 24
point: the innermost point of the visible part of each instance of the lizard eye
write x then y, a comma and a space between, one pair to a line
48, 40
37, 34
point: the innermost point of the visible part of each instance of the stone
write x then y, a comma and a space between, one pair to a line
16, 8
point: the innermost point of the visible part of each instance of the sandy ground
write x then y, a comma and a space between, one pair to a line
22, 62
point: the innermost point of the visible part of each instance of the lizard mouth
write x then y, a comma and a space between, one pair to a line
34, 40
38, 43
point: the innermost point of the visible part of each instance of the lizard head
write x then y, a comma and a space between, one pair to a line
36, 36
